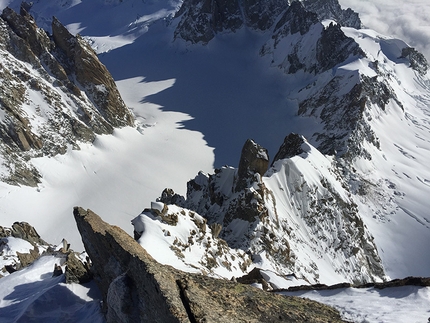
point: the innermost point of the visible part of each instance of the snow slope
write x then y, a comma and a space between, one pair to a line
397, 304
114, 176
33, 295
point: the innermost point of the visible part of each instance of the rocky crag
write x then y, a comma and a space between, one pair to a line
261, 213
54, 93
136, 288
76, 266
201, 20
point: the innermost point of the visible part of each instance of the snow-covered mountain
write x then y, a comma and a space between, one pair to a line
350, 87
343, 110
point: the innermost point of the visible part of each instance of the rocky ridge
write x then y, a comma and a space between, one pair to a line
197, 247
201, 20
137, 288
54, 94
265, 210
24, 237
35, 246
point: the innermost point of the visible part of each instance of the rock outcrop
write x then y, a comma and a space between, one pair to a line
331, 9
136, 288
254, 161
417, 60
22, 230
292, 146
201, 20
76, 269
54, 94
264, 212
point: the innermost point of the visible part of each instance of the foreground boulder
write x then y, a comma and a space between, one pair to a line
136, 288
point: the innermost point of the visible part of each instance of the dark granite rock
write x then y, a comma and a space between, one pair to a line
417, 60
292, 146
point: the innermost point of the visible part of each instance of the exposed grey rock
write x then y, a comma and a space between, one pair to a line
93, 76
25, 231
296, 19
168, 196
4, 232
261, 15
331, 9
76, 271
202, 19
216, 229
21, 230
26, 259
254, 277
343, 116
136, 288
334, 47
80, 98
58, 271
417, 60
292, 146
254, 159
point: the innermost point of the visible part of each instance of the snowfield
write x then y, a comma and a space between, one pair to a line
33, 295
397, 304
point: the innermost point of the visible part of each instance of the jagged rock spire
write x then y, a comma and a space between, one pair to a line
292, 146
254, 159
201, 20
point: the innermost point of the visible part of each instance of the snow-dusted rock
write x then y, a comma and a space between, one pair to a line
298, 218
137, 288
201, 20
54, 93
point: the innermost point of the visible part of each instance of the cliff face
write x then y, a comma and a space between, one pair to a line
54, 93
201, 20
136, 288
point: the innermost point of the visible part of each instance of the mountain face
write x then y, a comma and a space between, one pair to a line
309, 209
201, 20
54, 94
268, 212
